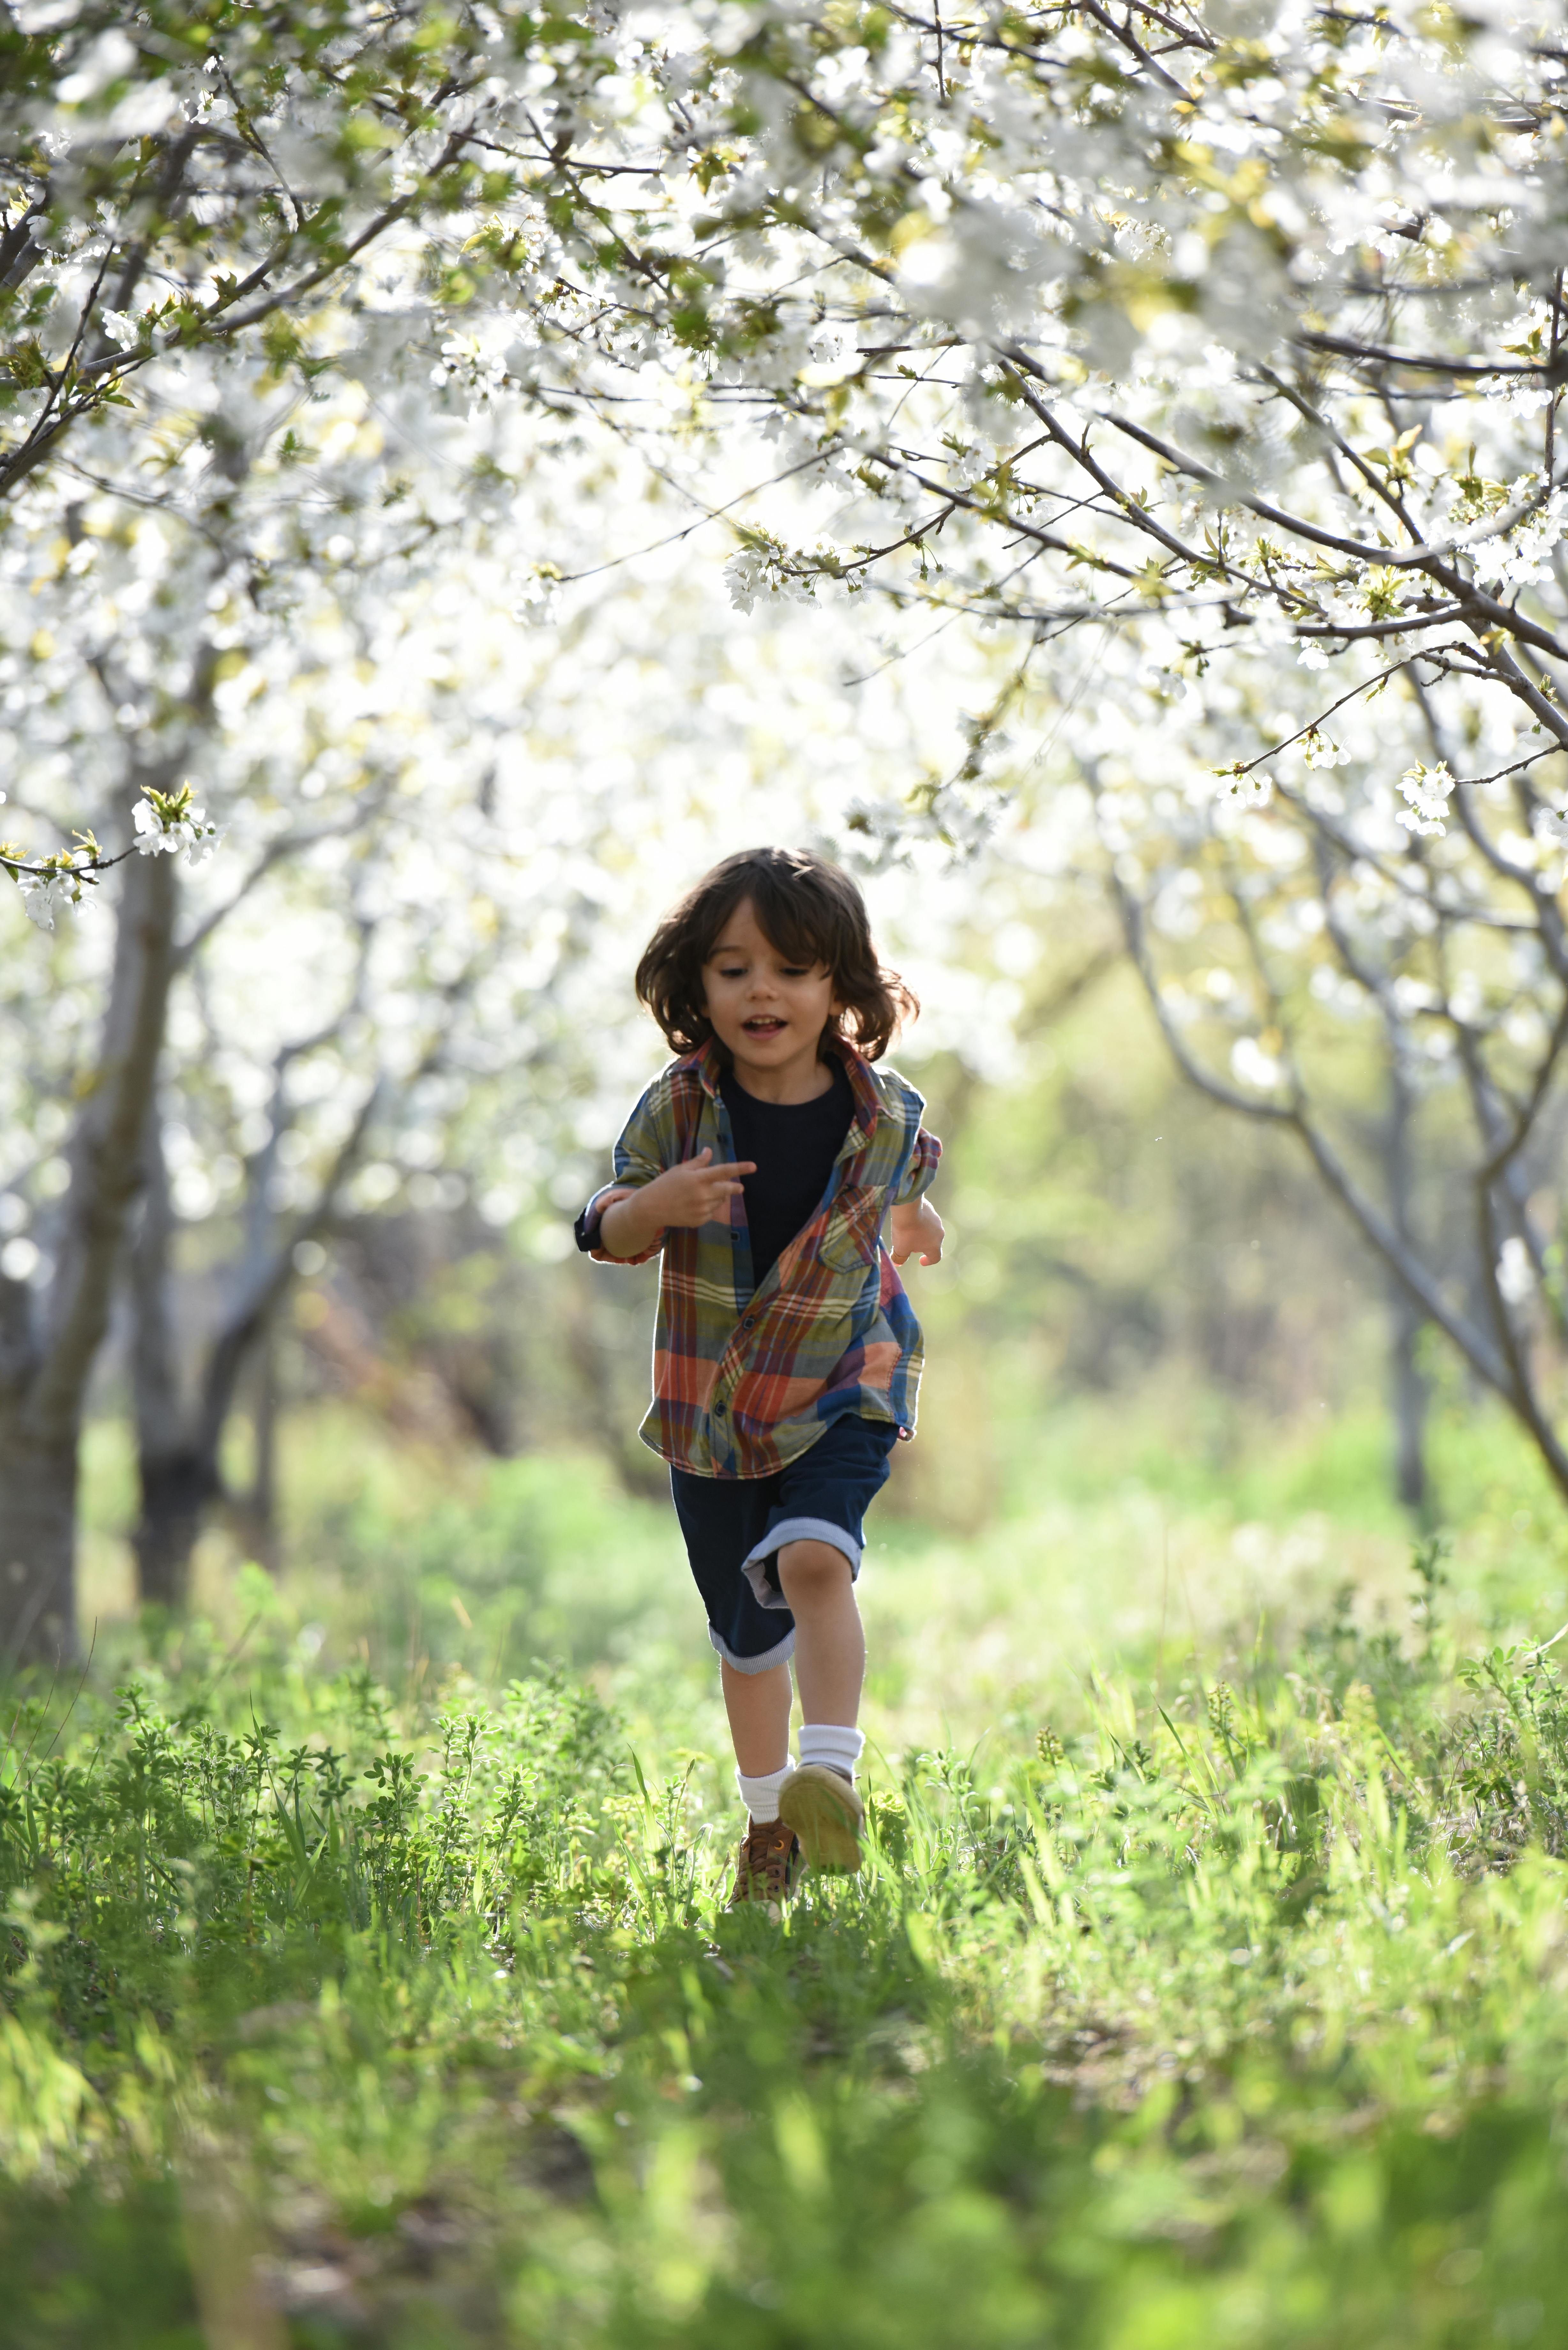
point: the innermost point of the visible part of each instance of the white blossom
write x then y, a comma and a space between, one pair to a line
1251, 1065
763, 571
44, 896
539, 598
1427, 791
1255, 790
167, 830
744, 575
833, 343
1515, 1273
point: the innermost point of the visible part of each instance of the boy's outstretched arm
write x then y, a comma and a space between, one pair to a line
915, 1230
695, 1192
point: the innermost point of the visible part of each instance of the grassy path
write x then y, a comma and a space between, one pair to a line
1232, 2015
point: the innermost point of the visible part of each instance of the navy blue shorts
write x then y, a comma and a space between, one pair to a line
735, 1527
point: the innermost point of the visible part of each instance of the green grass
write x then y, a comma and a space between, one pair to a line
1206, 1985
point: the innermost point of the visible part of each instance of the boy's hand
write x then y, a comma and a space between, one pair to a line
915, 1230
695, 1192
698, 1192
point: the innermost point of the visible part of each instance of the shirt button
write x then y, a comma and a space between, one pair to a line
749, 1322
718, 1412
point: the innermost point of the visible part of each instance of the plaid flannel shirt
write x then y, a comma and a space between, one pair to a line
745, 1380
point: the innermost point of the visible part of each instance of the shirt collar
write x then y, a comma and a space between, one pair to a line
709, 1069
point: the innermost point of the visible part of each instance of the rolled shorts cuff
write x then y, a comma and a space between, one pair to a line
779, 1654
754, 1566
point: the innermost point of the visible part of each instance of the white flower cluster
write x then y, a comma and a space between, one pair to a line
1426, 791
52, 882
834, 352
1319, 752
168, 824
48, 893
1245, 791
1519, 396
538, 596
1515, 1273
761, 571
1521, 557
121, 328
1253, 1064
464, 359
966, 467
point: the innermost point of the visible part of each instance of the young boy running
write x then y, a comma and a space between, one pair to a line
782, 1175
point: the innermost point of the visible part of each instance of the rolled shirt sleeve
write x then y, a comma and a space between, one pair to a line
921, 1171
643, 1151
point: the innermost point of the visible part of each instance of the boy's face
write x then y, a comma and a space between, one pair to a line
769, 1012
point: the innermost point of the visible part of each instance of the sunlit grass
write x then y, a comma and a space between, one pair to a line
1206, 1985
1231, 2014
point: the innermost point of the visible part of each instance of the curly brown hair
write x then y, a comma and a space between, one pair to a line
809, 911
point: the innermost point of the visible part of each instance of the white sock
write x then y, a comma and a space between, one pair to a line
835, 1743
761, 1796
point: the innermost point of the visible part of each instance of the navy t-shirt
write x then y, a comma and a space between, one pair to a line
794, 1144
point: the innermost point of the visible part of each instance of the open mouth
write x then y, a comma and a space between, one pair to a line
763, 1028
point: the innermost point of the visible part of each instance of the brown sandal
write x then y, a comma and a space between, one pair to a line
765, 1865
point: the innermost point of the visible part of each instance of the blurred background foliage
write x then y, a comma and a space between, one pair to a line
1146, 1319
1121, 1256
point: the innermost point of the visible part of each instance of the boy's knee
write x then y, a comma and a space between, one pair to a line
809, 1570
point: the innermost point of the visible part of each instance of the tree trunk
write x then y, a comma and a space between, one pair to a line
37, 1546
180, 1421
176, 1488
180, 1480
1409, 1403
48, 1345
1408, 1395
170, 1469
258, 1510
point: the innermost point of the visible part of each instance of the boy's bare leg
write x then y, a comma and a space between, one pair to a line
819, 1803
758, 1706
829, 1642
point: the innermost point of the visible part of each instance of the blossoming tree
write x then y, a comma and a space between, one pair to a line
202, 218
1211, 355
1208, 355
